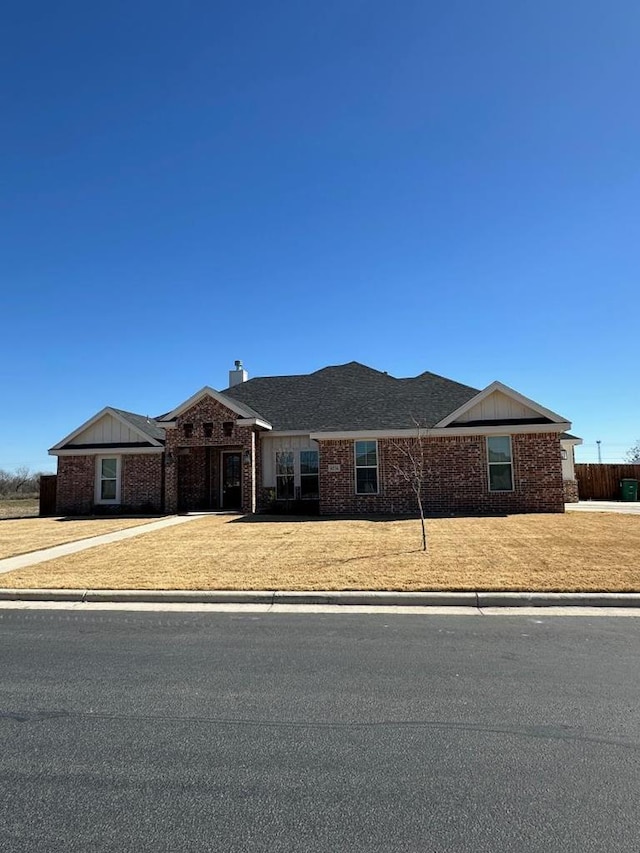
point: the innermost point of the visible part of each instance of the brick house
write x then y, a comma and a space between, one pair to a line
331, 441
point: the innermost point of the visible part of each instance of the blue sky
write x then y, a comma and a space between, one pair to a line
448, 186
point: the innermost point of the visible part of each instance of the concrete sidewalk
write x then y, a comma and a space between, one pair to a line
625, 507
21, 561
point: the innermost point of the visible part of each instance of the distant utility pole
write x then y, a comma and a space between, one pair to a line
599, 453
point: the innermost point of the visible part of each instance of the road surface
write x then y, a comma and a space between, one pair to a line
128, 731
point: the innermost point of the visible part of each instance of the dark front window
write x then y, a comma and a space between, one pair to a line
366, 467
309, 486
284, 475
500, 463
108, 479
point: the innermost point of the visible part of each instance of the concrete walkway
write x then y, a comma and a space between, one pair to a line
21, 561
628, 507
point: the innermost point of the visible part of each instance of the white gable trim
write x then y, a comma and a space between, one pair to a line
509, 392
106, 451
233, 405
106, 411
280, 433
571, 441
258, 422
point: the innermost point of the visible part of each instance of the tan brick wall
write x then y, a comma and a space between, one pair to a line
456, 477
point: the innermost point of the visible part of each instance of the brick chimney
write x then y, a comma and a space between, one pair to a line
238, 375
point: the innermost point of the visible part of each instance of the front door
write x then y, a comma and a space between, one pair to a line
231, 480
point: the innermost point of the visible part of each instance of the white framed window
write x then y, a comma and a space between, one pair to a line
366, 453
108, 477
500, 463
284, 475
309, 482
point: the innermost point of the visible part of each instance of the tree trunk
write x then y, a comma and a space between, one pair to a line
424, 531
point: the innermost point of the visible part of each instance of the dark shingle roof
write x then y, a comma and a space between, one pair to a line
141, 422
351, 397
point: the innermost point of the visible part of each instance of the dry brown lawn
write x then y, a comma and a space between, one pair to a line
20, 508
21, 535
573, 552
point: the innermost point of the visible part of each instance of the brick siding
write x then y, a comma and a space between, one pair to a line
76, 484
455, 480
140, 491
571, 491
142, 482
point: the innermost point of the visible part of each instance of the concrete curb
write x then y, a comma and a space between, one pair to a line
558, 599
356, 597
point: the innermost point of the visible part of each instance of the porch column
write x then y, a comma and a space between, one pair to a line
249, 474
170, 474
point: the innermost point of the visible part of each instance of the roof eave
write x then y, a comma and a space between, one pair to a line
439, 432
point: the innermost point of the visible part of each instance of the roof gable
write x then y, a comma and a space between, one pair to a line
114, 426
501, 404
239, 408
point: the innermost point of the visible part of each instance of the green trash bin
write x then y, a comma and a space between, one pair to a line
629, 490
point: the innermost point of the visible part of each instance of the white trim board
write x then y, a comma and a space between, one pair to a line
259, 422
106, 451
499, 429
283, 433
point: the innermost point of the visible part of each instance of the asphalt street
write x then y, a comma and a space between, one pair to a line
128, 731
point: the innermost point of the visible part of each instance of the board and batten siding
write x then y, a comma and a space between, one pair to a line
108, 430
497, 406
271, 444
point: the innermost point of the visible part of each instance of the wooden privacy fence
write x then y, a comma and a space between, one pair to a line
48, 494
602, 482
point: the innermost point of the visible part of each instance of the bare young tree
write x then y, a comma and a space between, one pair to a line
412, 469
633, 455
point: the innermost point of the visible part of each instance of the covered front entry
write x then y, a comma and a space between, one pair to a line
209, 478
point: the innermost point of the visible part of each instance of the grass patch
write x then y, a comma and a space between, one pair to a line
572, 552
19, 536
19, 507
